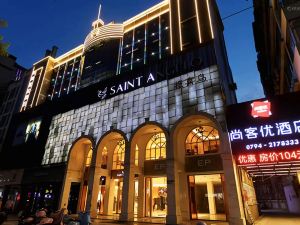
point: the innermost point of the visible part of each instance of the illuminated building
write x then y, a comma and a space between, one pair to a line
131, 124
276, 30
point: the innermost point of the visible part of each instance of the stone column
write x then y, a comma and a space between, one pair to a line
298, 176
127, 213
65, 193
141, 198
234, 197
211, 198
173, 192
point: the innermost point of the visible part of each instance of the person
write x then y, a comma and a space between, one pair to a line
9, 206
0, 203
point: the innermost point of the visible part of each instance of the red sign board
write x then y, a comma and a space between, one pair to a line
261, 109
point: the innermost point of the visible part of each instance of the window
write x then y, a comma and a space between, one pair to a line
136, 155
202, 140
89, 158
156, 147
119, 156
104, 158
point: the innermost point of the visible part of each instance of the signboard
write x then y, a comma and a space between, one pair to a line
203, 163
155, 167
116, 174
265, 131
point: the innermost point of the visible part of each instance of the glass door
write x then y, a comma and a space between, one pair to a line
101, 194
206, 197
156, 197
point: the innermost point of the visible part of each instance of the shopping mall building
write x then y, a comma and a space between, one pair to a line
131, 124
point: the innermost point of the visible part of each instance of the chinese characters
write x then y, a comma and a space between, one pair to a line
264, 131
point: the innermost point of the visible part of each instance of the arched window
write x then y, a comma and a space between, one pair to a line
89, 158
156, 147
104, 158
202, 140
119, 156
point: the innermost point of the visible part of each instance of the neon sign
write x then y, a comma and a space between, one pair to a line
261, 109
254, 129
268, 157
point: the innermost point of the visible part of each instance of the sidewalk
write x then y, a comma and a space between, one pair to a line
13, 220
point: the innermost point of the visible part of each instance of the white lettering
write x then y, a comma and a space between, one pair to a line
139, 80
112, 90
131, 84
120, 89
151, 77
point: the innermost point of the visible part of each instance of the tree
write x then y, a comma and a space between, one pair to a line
3, 46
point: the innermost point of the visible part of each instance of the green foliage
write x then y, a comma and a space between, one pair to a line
3, 46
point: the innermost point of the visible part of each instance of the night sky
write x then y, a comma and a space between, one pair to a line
35, 25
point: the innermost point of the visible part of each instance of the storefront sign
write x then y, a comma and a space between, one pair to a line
190, 81
203, 163
117, 174
126, 85
265, 131
155, 167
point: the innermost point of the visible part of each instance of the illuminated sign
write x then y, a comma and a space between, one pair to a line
32, 130
261, 109
269, 157
125, 86
258, 135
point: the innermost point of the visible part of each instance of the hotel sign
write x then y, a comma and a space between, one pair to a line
265, 131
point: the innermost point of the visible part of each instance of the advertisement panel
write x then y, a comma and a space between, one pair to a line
265, 130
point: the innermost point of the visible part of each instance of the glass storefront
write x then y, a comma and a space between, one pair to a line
101, 195
117, 204
156, 197
207, 197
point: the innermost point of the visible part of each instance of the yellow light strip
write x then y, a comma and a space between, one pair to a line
42, 60
126, 29
171, 28
28, 90
74, 50
198, 21
41, 69
38, 97
67, 60
144, 13
179, 23
210, 23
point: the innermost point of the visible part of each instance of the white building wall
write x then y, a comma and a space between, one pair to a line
160, 102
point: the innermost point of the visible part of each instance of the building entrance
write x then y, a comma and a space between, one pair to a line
270, 190
156, 197
206, 197
101, 195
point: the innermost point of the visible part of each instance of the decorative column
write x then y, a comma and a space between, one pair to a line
127, 212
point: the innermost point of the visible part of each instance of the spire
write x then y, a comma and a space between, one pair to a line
99, 12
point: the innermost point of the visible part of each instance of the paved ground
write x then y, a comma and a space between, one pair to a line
13, 220
278, 220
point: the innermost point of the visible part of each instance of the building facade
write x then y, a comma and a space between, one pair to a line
277, 41
131, 124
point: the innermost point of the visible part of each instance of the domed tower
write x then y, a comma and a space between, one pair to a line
101, 51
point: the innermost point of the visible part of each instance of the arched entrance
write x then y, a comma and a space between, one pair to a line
148, 159
75, 187
108, 183
197, 147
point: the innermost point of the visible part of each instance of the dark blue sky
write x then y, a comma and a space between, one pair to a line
36, 25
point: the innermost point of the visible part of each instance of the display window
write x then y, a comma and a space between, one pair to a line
117, 203
156, 197
207, 197
119, 156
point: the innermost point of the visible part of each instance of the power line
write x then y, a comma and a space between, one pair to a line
238, 12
